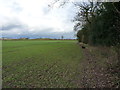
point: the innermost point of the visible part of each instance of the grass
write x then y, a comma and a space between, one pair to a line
40, 64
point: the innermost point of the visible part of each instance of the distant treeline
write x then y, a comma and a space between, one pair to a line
35, 39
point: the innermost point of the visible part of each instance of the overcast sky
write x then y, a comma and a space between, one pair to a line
34, 19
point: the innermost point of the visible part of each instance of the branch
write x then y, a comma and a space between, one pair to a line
116, 8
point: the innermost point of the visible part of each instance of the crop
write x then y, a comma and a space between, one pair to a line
40, 64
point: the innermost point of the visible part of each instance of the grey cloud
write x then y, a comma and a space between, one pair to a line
23, 30
10, 26
45, 33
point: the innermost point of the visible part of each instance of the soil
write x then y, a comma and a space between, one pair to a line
93, 75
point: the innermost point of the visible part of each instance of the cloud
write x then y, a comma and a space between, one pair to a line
33, 18
11, 26
31, 33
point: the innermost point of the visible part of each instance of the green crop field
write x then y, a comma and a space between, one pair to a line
40, 63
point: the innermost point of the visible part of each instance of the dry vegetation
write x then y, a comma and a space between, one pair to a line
98, 67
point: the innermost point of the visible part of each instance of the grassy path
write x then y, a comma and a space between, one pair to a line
40, 63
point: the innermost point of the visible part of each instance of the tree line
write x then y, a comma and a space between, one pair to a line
98, 23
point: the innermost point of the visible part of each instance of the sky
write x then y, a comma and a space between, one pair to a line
35, 19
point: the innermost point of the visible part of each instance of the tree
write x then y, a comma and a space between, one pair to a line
62, 37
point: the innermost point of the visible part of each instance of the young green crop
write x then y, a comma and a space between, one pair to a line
40, 63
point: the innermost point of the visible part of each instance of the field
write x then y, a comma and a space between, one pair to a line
40, 64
